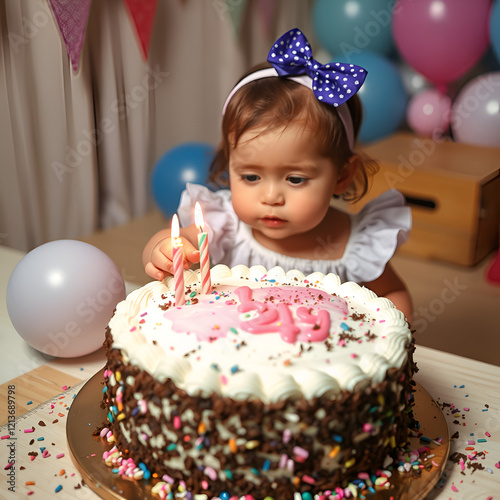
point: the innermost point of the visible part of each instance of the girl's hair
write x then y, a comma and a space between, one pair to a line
275, 103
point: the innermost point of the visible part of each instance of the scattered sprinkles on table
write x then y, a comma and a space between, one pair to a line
469, 443
40, 448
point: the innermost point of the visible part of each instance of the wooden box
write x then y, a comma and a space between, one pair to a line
453, 190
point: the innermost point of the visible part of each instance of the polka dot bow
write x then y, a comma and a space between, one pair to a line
333, 83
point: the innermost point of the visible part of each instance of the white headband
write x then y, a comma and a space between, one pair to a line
342, 110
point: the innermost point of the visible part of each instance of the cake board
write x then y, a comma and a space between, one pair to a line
87, 414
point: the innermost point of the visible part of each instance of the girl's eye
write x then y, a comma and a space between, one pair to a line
296, 180
250, 177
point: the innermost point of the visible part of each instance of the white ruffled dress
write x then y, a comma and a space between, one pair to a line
376, 231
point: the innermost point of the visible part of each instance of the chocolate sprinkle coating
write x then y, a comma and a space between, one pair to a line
217, 444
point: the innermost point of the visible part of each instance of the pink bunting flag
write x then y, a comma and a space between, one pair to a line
267, 12
143, 13
71, 18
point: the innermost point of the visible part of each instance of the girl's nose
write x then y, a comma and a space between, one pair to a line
273, 195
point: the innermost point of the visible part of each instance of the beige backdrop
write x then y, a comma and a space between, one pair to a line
77, 151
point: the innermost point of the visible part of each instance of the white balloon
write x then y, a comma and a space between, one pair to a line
61, 296
475, 113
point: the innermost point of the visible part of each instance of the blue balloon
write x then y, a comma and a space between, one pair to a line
345, 27
188, 162
495, 29
383, 96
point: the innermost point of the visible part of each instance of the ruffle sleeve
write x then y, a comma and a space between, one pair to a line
377, 230
220, 220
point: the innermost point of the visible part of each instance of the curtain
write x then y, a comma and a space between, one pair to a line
47, 189
77, 150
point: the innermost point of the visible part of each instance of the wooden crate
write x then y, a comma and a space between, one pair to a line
453, 190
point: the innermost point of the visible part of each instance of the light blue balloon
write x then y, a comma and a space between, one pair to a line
383, 96
345, 27
495, 29
187, 162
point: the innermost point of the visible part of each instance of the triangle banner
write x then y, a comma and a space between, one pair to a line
267, 12
143, 13
71, 18
236, 11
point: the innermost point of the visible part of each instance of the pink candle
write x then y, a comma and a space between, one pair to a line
177, 261
206, 284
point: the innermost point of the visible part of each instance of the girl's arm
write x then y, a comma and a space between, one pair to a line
390, 285
157, 254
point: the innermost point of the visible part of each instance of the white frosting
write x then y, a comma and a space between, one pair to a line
240, 364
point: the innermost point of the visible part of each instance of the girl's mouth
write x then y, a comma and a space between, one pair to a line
272, 221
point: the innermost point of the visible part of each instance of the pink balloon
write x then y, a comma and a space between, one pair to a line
442, 39
475, 113
428, 113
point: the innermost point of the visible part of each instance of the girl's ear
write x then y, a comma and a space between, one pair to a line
347, 174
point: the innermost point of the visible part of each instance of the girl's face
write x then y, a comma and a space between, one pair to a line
280, 185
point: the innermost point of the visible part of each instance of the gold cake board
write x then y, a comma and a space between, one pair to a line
86, 414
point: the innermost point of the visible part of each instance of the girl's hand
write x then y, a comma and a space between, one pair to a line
160, 263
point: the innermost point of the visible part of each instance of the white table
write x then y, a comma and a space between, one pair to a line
460, 382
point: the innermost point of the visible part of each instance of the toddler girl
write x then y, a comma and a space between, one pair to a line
288, 147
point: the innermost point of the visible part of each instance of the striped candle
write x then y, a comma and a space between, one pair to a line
177, 261
206, 284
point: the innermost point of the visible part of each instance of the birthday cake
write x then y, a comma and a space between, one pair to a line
274, 384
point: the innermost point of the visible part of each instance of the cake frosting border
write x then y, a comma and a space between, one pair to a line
348, 375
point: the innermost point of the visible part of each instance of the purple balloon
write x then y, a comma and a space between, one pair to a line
441, 39
428, 113
61, 296
475, 113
